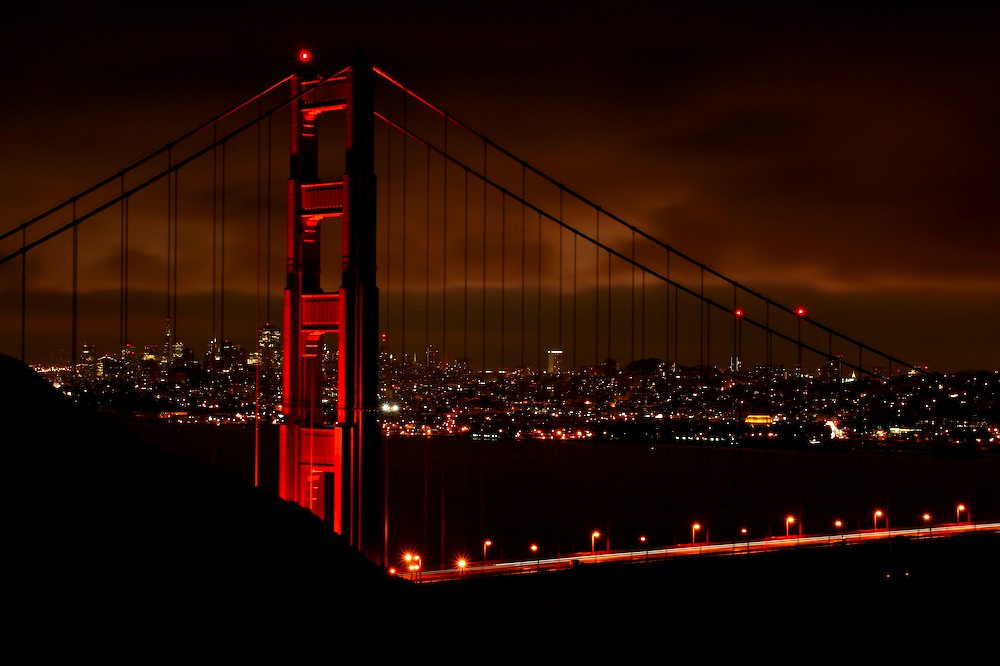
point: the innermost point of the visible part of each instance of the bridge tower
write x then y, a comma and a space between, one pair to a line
333, 469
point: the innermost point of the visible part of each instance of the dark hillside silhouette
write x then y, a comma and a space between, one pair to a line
113, 543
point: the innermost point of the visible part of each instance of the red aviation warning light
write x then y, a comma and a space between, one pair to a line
800, 311
738, 312
304, 56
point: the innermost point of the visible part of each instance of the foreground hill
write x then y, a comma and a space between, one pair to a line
112, 542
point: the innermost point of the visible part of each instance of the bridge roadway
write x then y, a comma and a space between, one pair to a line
499, 568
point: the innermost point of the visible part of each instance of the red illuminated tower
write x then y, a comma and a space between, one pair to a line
333, 469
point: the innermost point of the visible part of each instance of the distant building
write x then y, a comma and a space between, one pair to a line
433, 356
269, 348
555, 361
87, 365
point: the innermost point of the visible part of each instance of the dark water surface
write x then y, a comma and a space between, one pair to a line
448, 495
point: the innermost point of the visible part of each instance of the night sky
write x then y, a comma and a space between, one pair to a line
843, 157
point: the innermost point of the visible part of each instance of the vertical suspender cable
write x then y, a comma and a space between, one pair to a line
597, 291
701, 324
123, 281
482, 450
222, 254
24, 291
642, 315
427, 326
171, 271
677, 298
538, 300
522, 263
610, 301
465, 266
257, 322
503, 275
667, 326
767, 336
444, 316
215, 222
386, 301
267, 214
402, 261
427, 262
560, 308
170, 266
483, 345
708, 338
73, 338
631, 310
575, 275
444, 261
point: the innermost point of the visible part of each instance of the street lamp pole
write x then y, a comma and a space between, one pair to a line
486, 544
788, 523
876, 516
593, 538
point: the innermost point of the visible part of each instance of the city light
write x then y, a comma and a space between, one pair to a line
788, 523
875, 517
694, 529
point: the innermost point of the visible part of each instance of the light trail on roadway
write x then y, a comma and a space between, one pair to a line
742, 547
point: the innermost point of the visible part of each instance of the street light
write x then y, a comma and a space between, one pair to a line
694, 528
788, 523
642, 540
593, 538
486, 544
927, 521
534, 549
875, 517
959, 509
745, 532
413, 564
839, 525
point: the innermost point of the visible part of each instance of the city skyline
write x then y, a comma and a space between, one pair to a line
838, 160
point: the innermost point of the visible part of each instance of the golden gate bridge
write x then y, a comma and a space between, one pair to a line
465, 274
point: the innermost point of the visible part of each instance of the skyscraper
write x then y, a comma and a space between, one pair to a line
555, 361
